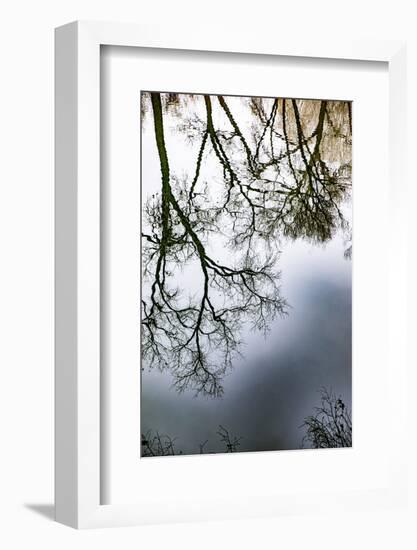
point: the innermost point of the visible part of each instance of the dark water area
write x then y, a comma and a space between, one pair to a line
272, 389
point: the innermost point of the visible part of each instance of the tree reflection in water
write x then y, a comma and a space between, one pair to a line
285, 175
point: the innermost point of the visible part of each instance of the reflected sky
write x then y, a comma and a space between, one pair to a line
275, 381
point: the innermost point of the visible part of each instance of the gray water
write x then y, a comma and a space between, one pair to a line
276, 381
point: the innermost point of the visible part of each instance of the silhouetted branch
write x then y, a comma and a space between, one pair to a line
331, 425
231, 442
155, 444
197, 340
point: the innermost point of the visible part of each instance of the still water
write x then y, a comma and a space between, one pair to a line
264, 186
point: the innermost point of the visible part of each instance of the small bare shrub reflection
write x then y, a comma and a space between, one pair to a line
330, 425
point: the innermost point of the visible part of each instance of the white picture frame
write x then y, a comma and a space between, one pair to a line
77, 242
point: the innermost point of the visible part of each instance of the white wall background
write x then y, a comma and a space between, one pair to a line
26, 269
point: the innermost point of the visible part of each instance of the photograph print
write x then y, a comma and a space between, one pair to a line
246, 282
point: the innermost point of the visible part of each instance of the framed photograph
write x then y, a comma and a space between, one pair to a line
230, 275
